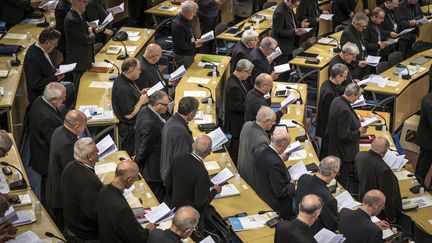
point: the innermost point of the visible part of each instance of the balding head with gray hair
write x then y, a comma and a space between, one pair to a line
248, 36
280, 137
185, 218
350, 48
83, 148
75, 118
244, 65
264, 114
310, 204
353, 89
262, 80
268, 43
338, 69
157, 97
54, 90
5, 143
373, 198
360, 17
188, 6
329, 165
202, 146
380, 145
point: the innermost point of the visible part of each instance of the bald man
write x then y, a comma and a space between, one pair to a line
273, 182
116, 220
373, 173
61, 153
357, 226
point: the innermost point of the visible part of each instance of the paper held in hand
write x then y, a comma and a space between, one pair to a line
155, 88
274, 54
327, 236
394, 161
160, 214
282, 68
207, 36
178, 73
326, 16
293, 147
109, 18
368, 121
106, 147
218, 138
66, 68
289, 100
222, 177
116, 9
373, 60
345, 200
297, 170
406, 31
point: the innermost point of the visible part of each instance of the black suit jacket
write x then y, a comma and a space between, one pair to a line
371, 34
62, 8
79, 44
261, 65
390, 23
342, 130
308, 184
406, 12
341, 10
235, 96
308, 9
424, 130
182, 35
43, 120
240, 51
39, 72
328, 92
351, 66
61, 153
350, 34
358, 227
374, 173
293, 231
13, 11
273, 182
254, 100
284, 23
166, 236
96, 10
148, 141
116, 220
150, 75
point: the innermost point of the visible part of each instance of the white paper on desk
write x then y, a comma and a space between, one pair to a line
218, 138
211, 165
132, 33
195, 93
50, 5
4, 185
207, 36
228, 190
390, 41
406, 31
100, 116
424, 21
387, 232
298, 155
155, 88
289, 100
102, 64
293, 147
134, 38
372, 60
345, 200
15, 36
109, 18
66, 68
284, 86
101, 84
116, 9
159, 213
26, 237
178, 73
297, 170
34, 21
402, 175
25, 199
24, 217
422, 202
277, 52
103, 168
208, 239
130, 49
282, 68
327, 41
287, 123
198, 80
305, 29
205, 119
378, 80
106, 147
327, 236
222, 177
4, 73
392, 83
326, 16
368, 121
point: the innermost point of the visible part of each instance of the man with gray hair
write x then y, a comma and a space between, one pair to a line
191, 184
259, 56
242, 49
183, 225
348, 56
62, 153
297, 230
44, 118
235, 96
344, 130
80, 186
373, 173
273, 183
317, 184
5, 143
148, 141
254, 138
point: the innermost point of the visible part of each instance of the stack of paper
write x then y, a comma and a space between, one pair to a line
394, 161
160, 214
155, 88
24, 217
218, 138
26, 237
372, 60
101, 84
106, 147
327, 41
289, 100
368, 121
345, 200
422, 202
297, 170
287, 123
103, 168
293, 147
211, 165
4, 73
228, 190
248, 222
198, 80
326, 16
282, 68
207, 36
402, 175
66, 68
116, 9
327, 236
180, 72
222, 177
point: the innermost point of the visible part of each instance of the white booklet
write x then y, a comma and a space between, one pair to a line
218, 138
289, 100
106, 147
326, 16
293, 147
345, 200
207, 36
178, 73
160, 214
277, 52
368, 121
116, 9
26, 237
282, 68
228, 190
66, 68
297, 170
327, 236
394, 161
372, 60
222, 177
155, 88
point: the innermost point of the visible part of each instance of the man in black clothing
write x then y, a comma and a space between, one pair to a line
259, 58
235, 95
348, 56
44, 118
208, 11
184, 42
242, 49
260, 96
297, 230
424, 140
344, 131
62, 8
183, 224
344, 10
96, 10
191, 183
273, 182
317, 184
38, 67
407, 15
374, 173
61, 153
13, 11
127, 100
309, 9
390, 25
148, 141
374, 35
80, 187
116, 220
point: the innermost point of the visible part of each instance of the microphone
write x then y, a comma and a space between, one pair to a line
112, 77
213, 66
51, 235
17, 185
121, 57
205, 100
416, 189
405, 76
15, 61
299, 99
337, 49
298, 123
267, 211
44, 24
378, 114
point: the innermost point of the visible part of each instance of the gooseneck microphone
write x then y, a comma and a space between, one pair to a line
51, 235
205, 100
17, 185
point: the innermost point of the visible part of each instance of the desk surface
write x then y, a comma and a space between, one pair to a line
165, 8
293, 113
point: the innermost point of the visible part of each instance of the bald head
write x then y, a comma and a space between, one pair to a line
186, 218
262, 80
153, 53
126, 169
75, 118
202, 146
280, 137
264, 114
310, 204
380, 145
374, 198
5, 143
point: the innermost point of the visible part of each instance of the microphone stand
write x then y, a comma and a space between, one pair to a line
17, 185
378, 114
405, 76
122, 57
44, 24
113, 77
300, 96
205, 100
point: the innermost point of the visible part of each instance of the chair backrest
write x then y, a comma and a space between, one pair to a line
420, 235
382, 66
395, 58
269, 4
340, 28
221, 27
297, 51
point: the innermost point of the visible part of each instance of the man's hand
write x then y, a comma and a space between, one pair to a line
299, 32
382, 224
382, 45
304, 23
171, 82
362, 64
218, 188
143, 99
90, 31
150, 226
274, 75
35, 3
11, 197
198, 43
285, 156
394, 35
283, 109
362, 130
351, 14
60, 77
412, 22
108, 32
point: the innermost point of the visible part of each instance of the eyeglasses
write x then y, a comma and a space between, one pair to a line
137, 178
164, 104
362, 26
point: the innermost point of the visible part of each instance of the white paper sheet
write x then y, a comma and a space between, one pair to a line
130, 49
207, 36
326, 16
103, 168
327, 236
403, 175
109, 18
298, 155
390, 41
222, 177
394, 161
101, 84
116, 9
106, 147
155, 88
211, 165
15, 36
289, 100
159, 213
305, 29
287, 123
372, 60
198, 80
297, 170
424, 21
66, 68
195, 93
178, 73
208, 239
277, 52
345, 200
228, 191
368, 121
406, 31
26, 237
422, 201
282, 68
293, 147
327, 41
218, 137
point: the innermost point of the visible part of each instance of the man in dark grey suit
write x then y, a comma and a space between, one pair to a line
13, 11
242, 49
424, 141
259, 58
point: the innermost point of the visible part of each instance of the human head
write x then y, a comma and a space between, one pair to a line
153, 53
5, 143
131, 68
188, 9
75, 121
268, 45
188, 107
202, 146
4, 205
243, 69
391, 4
48, 39
339, 73
349, 52
185, 221
360, 21
280, 140
380, 145
78, 5
264, 83
310, 208
250, 38
352, 92
55, 93
373, 202
159, 101
329, 167
126, 173
290, 3
412, 2
85, 151
377, 15
266, 118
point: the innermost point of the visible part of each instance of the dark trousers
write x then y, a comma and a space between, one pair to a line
346, 173
127, 138
207, 24
183, 60
233, 149
424, 162
56, 215
42, 190
158, 189
76, 76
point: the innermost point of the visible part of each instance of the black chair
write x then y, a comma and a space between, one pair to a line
269, 4
382, 66
221, 45
395, 58
420, 235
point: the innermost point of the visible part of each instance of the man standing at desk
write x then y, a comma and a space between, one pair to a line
374, 35
258, 57
389, 25
407, 14
347, 57
127, 100
424, 141
208, 11
242, 49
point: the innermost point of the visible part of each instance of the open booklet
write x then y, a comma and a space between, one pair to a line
297, 170
222, 177
117, 9
106, 147
345, 200
248, 222
218, 138
327, 236
159, 214
66, 68
394, 161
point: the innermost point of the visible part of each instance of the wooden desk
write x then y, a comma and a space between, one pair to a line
426, 29
164, 9
13, 158
293, 113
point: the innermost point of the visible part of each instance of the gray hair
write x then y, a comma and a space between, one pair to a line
360, 16
338, 69
82, 148
249, 35
202, 146
75, 118
373, 198
268, 42
280, 137
244, 65
380, 145
350, 48
5, 141
376, 11
156, 97
53, 90
187, 6
328, 165
310, 204
264, 113
183, 220
261, 80
353, 89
